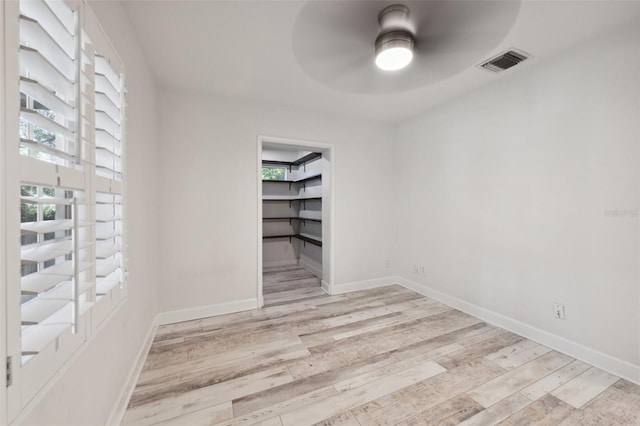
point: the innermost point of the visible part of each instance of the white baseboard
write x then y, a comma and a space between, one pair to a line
362, 285
310, 265
206, 311
117, 414
326, 287
589, 355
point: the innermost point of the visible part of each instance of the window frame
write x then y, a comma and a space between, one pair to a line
15, 400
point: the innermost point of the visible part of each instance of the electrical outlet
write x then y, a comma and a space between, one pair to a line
416, 269
387, 264
558, 311
421, 269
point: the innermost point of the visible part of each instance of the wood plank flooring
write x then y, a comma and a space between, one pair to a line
385, 356
289, 284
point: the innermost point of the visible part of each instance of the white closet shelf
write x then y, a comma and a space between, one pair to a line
304, 238
311, 237
288, 198
301, 180
302, 217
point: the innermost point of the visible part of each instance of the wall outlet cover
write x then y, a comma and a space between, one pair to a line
558, 311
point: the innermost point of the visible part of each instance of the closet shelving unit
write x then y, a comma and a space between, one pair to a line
302, 161
299, 200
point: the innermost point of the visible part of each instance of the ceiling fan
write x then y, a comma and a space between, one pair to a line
394, 44
390, 47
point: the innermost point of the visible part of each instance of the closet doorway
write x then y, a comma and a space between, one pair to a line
294, 220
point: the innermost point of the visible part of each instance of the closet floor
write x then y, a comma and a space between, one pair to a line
380, 356
288, 284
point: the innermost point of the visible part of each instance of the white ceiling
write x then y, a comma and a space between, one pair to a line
245, 49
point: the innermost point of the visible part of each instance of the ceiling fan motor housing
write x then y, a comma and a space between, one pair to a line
394, 17
395, 35
393, 39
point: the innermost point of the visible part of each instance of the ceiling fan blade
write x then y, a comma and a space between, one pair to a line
462, 25
333, 41
445, 44
336, 18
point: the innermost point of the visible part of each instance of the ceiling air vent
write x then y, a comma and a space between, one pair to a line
505, 60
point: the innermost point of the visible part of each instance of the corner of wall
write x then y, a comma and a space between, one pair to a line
117, 414
362, 285
591, 356
198, 312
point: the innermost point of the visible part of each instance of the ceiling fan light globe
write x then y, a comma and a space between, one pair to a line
394, 58
394, 50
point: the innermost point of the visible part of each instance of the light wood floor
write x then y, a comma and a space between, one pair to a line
289, 284
382, 356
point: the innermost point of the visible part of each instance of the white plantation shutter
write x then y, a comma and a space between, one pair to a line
110, 244
109, 259
47, 75
55, 285
67, 271
56, 277
108, 111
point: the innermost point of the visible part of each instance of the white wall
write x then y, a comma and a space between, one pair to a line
209, 186
89, 389
503, 194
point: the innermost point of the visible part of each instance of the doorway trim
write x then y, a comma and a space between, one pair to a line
328, 156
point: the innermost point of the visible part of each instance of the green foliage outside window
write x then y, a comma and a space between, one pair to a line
272, 173
29, 211
37, 133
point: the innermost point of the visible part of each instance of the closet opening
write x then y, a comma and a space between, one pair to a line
294, 220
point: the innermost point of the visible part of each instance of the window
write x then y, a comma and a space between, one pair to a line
52, 277
274, 173
64, 166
